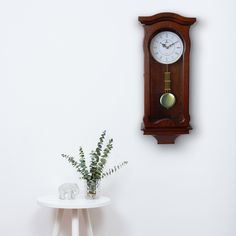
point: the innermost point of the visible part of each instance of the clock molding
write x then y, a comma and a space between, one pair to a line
166, 85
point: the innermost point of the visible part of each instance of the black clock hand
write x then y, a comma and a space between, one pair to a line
163, 45
172, 44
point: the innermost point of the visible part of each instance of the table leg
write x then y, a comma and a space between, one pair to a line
57, 222
75, 222
87, 222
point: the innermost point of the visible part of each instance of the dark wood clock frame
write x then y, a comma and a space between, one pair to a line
166, 124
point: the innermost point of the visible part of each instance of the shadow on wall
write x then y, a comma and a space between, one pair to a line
108, 220
41, 221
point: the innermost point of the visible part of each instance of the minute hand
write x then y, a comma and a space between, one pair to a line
172, 44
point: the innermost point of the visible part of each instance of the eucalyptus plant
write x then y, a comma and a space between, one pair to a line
95, 169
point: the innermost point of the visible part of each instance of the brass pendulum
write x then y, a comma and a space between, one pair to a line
167, 99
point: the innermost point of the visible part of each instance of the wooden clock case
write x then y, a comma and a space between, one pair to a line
166, 124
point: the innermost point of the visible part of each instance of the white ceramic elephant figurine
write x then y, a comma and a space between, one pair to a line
68, 191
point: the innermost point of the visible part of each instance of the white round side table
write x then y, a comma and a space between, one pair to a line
78, 206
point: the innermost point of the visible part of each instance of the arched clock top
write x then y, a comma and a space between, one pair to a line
166, 16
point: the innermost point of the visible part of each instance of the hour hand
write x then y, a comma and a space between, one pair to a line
163, 45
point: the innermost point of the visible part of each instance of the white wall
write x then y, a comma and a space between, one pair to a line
70, 69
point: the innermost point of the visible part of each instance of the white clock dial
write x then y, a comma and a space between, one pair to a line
166, 47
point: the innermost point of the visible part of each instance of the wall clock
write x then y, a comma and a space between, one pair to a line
166, 76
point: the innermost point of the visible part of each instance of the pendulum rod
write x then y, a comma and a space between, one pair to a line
167, 99
167, 80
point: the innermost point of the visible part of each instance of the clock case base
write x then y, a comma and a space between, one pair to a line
165, 136
165, 125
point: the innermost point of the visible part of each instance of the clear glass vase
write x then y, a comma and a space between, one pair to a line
93, 188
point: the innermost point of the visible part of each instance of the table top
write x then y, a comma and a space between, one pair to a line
53, 201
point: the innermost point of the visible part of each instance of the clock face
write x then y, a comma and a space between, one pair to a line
166, 47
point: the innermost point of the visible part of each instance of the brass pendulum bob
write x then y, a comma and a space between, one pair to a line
167, 99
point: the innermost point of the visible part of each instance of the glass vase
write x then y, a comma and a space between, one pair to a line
93, 189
